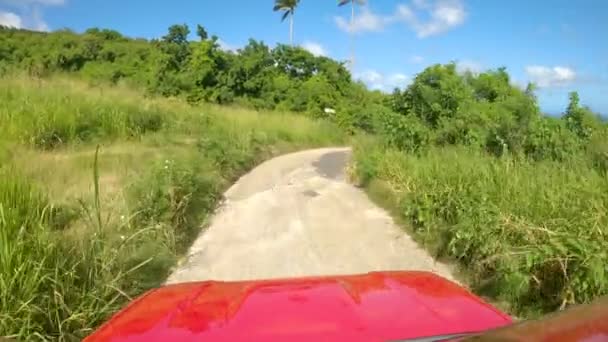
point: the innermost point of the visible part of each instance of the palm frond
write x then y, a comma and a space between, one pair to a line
358, 2
288, 6
284, 4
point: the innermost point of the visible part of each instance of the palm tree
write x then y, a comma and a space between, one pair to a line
289, 8
352, 25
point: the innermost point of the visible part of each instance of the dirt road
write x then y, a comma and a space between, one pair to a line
296, 215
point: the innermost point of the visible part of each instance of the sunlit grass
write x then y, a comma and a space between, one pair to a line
532, 235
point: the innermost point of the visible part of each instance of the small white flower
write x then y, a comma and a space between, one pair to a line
122, 217
122, 237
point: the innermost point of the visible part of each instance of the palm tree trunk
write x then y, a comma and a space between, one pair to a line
291, 28
352, 36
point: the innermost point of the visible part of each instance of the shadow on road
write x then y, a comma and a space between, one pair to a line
331, 165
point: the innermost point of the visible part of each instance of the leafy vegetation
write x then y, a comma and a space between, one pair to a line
515, 197
486, 111
285, 78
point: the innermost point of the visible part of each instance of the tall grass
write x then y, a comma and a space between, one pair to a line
531, 234
50, 289
47, 114
69, 261
22, 216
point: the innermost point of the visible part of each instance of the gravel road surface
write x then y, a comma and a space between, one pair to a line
296, 215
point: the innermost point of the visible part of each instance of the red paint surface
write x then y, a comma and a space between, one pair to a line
372, 307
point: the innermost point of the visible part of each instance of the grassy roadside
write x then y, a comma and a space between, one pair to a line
531, 236
83, 232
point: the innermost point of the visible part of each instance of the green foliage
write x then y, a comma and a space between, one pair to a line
175, 47
105, 51
201, 32
581, 121
408, 133
287, 78
517, 198
597, 151
105, 34
437, 93
287, 6
485, 111
491, 86
177, 192
549, 138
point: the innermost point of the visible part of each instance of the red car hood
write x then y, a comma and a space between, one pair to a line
372, 307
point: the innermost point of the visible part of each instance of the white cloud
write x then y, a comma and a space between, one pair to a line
468, 65
426, 17
10, 19
377, 81
545, 76
314, 48
366, 21
33, 2
30, 12
442, 16
371, 77
48, 2
226, 47
416, 59
398, 80
37, 23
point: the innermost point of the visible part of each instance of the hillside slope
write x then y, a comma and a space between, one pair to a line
85, 231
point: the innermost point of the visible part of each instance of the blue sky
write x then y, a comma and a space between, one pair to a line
559, 44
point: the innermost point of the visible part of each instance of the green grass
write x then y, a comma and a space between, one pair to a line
81, 232
530, 235
46, 114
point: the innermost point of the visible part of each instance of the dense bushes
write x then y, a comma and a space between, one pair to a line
598, 152
486, 111
550, 139
517, 198
176, 192
284, 77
